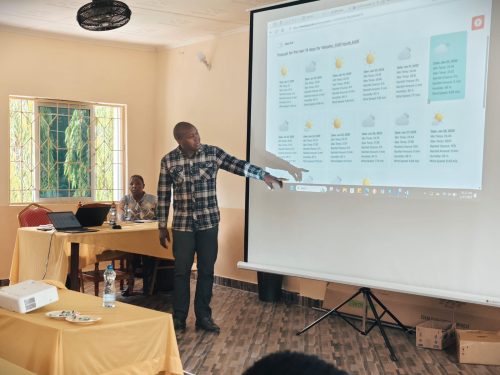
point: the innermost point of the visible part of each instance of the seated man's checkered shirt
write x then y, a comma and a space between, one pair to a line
145, 208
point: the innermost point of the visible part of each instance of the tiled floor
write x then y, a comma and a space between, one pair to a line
251, 329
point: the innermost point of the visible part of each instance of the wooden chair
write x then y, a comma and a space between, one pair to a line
33, 215
124, 272
157, 266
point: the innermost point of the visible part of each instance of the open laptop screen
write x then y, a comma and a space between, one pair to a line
92, 216
64, 220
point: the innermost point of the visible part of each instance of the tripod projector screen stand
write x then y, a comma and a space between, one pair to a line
369, 299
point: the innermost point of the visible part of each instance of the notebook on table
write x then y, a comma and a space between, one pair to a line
67, 222
92, 216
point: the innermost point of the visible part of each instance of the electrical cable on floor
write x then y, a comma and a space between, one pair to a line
48, 255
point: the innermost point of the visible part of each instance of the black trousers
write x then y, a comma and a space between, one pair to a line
204, 244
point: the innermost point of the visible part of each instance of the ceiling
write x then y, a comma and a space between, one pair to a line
154, 23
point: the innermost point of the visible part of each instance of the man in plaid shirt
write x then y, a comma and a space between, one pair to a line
190, 171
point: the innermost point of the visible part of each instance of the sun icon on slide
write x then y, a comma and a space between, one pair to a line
284, 71
309, 125
339, 63
370, 58
438, 118
366, 182
337, 123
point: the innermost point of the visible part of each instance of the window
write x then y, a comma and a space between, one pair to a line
63, 150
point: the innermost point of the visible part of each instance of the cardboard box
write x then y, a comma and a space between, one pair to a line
412, 309
478, 347
435, 334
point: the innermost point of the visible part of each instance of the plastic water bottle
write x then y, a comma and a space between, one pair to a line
112, 214
109, 297
128, 213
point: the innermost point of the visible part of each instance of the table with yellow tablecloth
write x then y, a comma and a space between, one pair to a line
127, 340
38, 254
9, 368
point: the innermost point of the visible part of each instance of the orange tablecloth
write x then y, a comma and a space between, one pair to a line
36, 250
128, 339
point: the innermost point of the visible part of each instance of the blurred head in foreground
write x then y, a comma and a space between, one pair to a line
292, 363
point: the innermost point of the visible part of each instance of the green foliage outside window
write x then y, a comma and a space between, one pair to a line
67, 160
21, 154
104, 128
64, 152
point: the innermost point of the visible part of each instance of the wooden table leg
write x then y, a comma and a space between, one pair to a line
75, 260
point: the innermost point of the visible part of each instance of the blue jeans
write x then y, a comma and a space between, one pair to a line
204, 244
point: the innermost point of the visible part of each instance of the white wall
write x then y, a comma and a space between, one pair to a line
82, 71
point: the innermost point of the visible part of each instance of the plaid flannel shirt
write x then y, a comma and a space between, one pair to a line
193, 181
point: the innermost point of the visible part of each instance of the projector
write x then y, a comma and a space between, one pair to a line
27, 296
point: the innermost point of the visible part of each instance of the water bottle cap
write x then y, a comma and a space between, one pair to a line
109, 267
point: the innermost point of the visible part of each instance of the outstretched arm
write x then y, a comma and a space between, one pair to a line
244, 168
270, 180
275, 162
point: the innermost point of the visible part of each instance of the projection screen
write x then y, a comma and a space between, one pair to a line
383, 117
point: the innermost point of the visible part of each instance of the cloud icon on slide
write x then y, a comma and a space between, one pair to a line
441, 49
311, 67
402, 120
336, 180
368, 122
405, 54
284, 126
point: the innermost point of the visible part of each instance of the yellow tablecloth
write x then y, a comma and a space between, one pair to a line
36, 250
128, 339
12, 369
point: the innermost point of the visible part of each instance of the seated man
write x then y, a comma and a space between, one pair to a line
139, 205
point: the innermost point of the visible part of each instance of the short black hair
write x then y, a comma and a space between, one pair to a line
180, 127
139, 177
292, 363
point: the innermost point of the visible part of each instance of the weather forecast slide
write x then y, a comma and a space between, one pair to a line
365, 95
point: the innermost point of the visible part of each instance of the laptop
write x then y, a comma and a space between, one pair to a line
67, 222
92, 216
